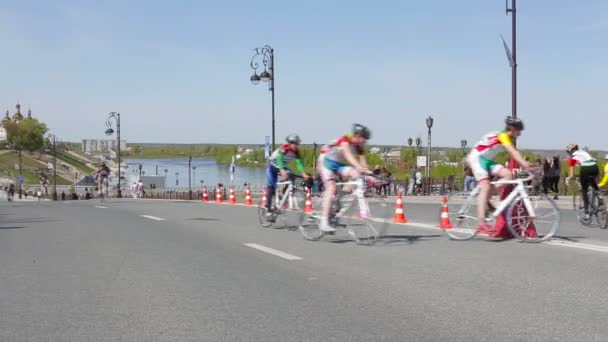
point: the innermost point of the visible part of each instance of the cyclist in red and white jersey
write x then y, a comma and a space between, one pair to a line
345, 157
482, 165
588, 175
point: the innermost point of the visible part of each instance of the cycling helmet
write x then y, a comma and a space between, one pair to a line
362, 131
293, 138
514, 122
571, 148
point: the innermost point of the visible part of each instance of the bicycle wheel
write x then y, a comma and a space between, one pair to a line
462, 212
293, 215
365, 224
265, 221
579, 209
309, 227
541, 227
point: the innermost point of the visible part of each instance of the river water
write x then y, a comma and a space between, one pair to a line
207, 171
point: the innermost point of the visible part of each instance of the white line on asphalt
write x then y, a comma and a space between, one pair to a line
153, 217
100, 207
273, 251
67, 202
579, 245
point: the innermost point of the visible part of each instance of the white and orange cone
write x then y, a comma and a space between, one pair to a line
264, 199
248, 200
205, 197
218, 195
444, 221
308, 203
399, 213
232, 198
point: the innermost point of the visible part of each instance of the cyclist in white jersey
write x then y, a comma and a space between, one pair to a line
482, 165
345, 157
589, 172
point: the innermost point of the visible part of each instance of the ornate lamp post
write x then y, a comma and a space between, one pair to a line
53, 140
429, 125
266, 54
110, 131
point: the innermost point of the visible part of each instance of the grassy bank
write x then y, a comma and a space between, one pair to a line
30, 169
68, 158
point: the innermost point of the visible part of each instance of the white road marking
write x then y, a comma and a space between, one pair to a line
153, 217
579, 245
273, 251
100, 207
67, 202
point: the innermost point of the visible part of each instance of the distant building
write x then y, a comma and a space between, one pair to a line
17, 117
102, 145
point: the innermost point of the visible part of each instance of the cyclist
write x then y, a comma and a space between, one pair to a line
277, 164
588, 174
344, 158
102, 175
604, 180
483, 166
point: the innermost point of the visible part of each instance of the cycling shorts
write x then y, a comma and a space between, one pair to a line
483, 167
332, 168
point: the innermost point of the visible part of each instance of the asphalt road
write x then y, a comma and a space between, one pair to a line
186, 271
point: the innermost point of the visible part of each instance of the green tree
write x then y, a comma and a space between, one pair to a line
26, 135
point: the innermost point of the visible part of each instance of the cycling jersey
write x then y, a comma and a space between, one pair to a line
582, 158
480, 157
604, 180
284, 155
491, 143
336, 151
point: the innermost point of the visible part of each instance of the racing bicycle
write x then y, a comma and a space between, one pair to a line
350, 212
597, 208
288, 204
528, 219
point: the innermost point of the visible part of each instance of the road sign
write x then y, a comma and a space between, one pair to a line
267, 147
20, 179
421, 161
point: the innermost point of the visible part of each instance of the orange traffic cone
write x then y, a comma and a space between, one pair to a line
218, 195
399, 214
308, 203
444, 222
232, 199
248, 200
263, 201
205, 194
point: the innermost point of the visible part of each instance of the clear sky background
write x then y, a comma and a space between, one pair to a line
178, 71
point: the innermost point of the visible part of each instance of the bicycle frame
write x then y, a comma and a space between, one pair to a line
283, 195
360, 195
518, 191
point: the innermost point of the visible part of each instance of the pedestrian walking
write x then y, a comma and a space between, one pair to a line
547, 174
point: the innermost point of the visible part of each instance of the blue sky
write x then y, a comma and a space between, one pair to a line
178, 71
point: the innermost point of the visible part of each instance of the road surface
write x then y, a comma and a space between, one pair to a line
137, 270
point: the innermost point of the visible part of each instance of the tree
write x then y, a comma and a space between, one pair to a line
26, 135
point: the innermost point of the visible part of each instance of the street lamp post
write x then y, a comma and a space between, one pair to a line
266, 54
177, 178
513, 57
110, 131
429, 125
194, 175
418, 144
463, 145
53, 139
166, 171
314, 158
140, 166
189, 177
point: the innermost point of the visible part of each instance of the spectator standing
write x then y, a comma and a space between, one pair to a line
412, 183
547, 173
418, 182
386, 175
63, 195
469, 179
556, 171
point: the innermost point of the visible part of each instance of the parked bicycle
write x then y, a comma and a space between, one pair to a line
528, 219
359, 221
597, 208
